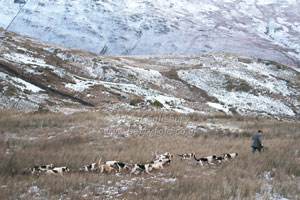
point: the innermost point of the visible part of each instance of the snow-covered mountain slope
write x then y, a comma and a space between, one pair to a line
268, 29
36, 74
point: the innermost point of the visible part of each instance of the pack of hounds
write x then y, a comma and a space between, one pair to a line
158, 163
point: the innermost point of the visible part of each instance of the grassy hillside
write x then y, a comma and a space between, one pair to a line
79, 139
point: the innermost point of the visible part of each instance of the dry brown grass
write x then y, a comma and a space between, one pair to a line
240, 178
15, 121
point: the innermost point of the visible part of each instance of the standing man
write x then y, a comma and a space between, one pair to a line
256, 142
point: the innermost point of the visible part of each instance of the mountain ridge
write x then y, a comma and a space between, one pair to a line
264, 29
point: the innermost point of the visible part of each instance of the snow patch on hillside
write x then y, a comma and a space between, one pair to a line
220, 107
33, 62
216, 82
19, 83
18, 93
168, 102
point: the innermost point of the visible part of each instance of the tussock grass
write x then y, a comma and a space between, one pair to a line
241, 178
14, 121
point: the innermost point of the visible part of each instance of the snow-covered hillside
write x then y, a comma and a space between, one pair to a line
35, 74
268, 29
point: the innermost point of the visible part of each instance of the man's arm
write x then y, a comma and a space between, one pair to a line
259, 141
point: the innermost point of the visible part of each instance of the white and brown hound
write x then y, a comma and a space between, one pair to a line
203, 160
186, 156
106, 168
57, 171
226, 157
233, 155
164, 156
92, 167
119, 166
41, 168
142, 167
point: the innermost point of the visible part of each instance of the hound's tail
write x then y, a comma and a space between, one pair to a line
195, 157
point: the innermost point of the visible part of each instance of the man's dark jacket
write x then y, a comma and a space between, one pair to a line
256, 142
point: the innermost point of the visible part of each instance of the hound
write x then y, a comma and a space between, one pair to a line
186, 156
226, 156
57, 171
233, 155
142, 167
208, 159
111, 163
211, 158
158, 165
120, 166
166, 155
157, 156
165, 158
117, 165
106, 168
41, 168
220, 159
92, 167
165, 161
200, 160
